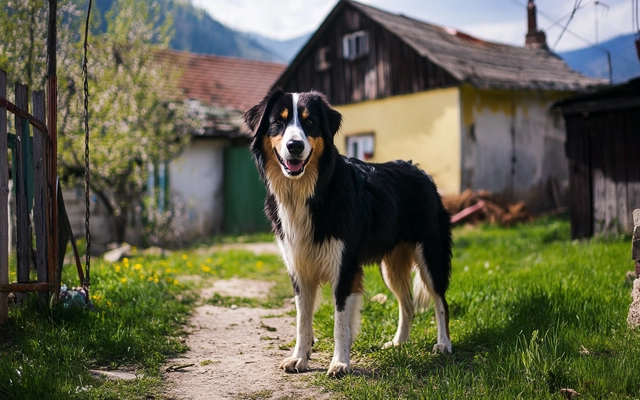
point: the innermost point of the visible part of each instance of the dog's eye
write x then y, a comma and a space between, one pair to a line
310, 122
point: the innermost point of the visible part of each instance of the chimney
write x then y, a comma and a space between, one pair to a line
535, 39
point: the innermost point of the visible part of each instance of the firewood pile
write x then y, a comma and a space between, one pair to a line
476, 207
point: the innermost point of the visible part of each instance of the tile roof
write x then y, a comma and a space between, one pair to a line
221, 89
223, 82
483, 64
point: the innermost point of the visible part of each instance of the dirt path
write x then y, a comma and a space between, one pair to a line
234, 353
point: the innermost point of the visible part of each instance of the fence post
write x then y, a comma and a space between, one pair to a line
633, 318
4, 200
40, 185
22, 208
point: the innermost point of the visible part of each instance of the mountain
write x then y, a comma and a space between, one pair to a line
197, 32
286, 49
592, 61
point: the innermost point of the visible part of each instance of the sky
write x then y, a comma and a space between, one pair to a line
502, 21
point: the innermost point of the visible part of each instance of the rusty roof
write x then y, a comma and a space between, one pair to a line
222, 82
482, 64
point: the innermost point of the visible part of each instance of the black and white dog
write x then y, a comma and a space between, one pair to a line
332, 215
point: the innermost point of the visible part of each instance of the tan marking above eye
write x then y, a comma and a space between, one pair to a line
305, 113
285, 113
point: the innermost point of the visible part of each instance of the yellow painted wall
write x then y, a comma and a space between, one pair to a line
423, 127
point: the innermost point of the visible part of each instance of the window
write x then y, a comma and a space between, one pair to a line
355, 45
322, 59
360, 146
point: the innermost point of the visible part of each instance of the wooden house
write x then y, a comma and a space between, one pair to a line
473, 114
603, 148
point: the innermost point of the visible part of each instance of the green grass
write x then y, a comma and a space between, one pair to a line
141, 307
532, 313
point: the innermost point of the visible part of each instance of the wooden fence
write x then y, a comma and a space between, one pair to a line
35, 193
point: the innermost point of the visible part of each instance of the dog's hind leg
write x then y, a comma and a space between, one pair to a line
396, 271
425, 288
305, 305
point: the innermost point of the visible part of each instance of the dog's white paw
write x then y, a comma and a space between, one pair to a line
338, 369
391, 344
295, 364
444, 348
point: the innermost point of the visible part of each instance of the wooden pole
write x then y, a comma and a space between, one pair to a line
40, 205
4, 199
20, 181
52, 162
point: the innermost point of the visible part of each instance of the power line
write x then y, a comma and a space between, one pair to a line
573, 12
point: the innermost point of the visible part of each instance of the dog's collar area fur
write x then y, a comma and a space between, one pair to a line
297, 161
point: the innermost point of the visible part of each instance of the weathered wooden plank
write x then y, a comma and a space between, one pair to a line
597, 174
632, 145
4, 199
578, 155
620, 154
22, 209
24, 287
40, 186
610, 178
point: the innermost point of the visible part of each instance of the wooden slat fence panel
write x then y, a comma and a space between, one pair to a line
4, 199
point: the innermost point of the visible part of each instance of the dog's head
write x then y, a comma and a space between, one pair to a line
292, 130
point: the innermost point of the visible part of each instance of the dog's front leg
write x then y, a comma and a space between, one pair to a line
305, 303
345, 329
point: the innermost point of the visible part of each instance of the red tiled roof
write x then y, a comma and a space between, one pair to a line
223, 82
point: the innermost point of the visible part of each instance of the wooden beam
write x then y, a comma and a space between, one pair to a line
40, 205
20, 182
4, 200
24, 287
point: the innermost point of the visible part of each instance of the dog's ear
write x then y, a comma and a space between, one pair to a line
332, 118
257, 116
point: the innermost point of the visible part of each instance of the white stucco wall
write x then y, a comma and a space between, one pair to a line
196, 183
513, 145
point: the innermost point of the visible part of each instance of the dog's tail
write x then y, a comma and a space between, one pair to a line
421, 296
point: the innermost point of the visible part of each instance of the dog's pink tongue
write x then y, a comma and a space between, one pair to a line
294, 165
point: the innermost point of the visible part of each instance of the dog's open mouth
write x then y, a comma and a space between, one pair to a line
293, 166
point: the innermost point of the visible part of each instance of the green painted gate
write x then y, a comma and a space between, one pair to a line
244, 194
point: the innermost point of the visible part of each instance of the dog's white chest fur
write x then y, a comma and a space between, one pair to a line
306, 260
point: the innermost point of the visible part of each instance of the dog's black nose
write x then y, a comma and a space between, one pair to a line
295, 147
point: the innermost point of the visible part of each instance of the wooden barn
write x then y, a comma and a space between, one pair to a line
473, 114
603, 148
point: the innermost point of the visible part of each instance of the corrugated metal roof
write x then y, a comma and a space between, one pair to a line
481, 63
